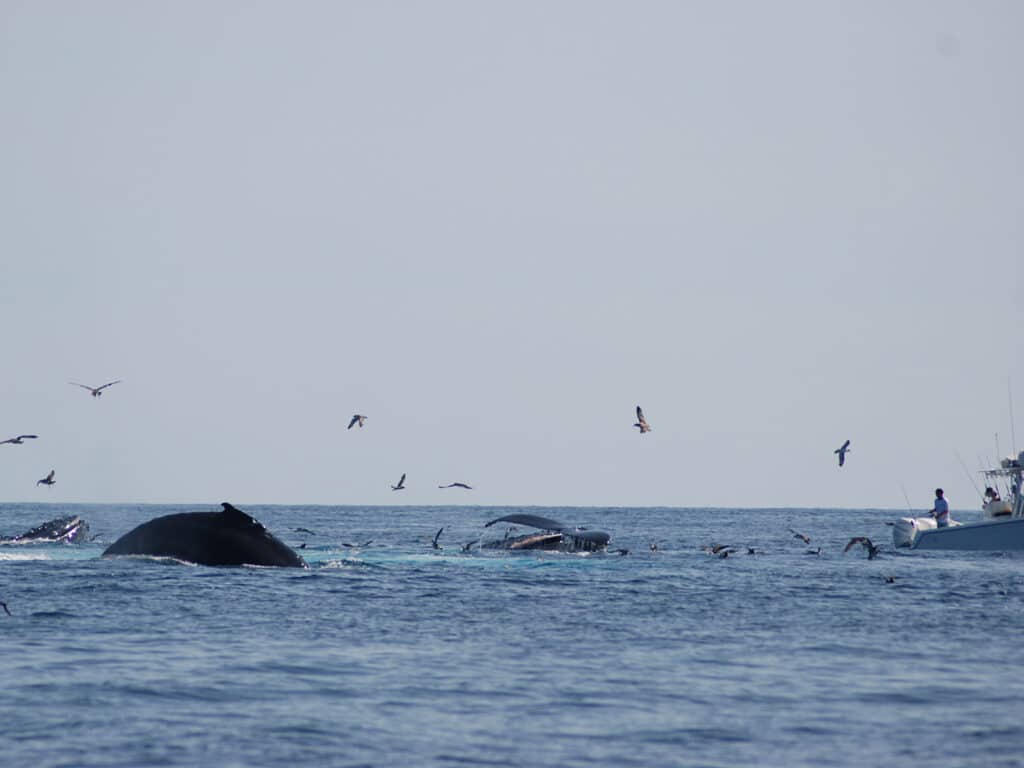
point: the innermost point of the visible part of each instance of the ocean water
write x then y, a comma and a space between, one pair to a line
396, 654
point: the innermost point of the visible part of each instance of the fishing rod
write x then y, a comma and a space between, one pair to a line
968, 473
907, 499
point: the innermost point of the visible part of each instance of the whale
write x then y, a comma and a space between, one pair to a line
228, 537
552, 535
68, 530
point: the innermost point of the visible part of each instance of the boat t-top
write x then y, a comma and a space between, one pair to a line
1001, 527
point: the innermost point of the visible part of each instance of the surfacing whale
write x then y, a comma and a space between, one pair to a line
69, 530
553, 536
230, 537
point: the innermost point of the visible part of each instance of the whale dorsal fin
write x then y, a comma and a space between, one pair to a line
238, 516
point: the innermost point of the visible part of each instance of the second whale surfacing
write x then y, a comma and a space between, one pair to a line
230, 537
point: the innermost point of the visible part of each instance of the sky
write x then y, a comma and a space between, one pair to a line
497, 228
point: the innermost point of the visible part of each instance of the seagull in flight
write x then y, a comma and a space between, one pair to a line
456, 485
95, 391
865, 542
48, 480
18, 440
842, 450
802, 536
357, 418
401, 484
641, 422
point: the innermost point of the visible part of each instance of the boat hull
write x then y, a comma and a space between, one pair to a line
1003, 535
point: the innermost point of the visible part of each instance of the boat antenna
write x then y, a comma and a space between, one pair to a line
1013, 432
968, 473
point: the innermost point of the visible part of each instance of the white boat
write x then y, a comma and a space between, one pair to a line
1000, 529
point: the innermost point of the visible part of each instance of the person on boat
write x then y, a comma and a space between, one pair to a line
941, 509
991, 494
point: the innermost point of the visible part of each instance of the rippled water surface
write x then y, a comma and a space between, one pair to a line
399, 654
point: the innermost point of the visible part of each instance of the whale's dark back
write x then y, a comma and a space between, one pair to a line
230, 537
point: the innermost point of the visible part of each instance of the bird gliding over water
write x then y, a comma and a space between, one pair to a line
95, 391
18, 440
641, 422
842, 450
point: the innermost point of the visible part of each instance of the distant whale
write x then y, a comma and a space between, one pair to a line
68, 530
230, 537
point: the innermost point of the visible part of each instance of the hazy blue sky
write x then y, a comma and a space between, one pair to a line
496, 228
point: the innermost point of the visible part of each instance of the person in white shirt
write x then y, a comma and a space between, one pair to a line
941, 509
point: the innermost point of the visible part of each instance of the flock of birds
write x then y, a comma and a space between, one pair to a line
726, 550
20, 439
359, 420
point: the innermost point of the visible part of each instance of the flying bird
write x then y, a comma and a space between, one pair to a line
95, 391
842, 450
802, 536
357, 418
401, 484
641, 422
436, 537
18, 440
48, 480
456, 485
865, 542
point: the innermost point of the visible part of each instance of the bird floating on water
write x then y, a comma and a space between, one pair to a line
842, 451
716, 549
401, 484
457, 485
865, 542
18, 440
95, 391
641, 422
357, 418
48, 480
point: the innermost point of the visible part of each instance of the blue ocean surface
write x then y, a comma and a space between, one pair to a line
397, 654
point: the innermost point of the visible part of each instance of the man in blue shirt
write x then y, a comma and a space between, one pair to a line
941, 509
